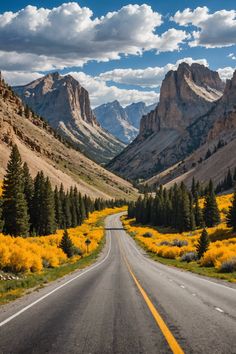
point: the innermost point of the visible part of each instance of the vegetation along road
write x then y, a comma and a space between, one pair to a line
124, 303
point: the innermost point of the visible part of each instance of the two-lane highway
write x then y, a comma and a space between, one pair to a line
125, 303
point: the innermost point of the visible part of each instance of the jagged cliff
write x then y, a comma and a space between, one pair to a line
42, 149
177, 126
65, 104
218, 125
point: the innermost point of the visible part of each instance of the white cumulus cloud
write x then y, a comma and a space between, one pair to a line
69, 35
214, 30
149, 77
100, 92
226, 73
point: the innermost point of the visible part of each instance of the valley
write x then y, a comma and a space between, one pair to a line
117, 177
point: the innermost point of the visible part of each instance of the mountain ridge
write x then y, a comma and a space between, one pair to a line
65, 104
122, 122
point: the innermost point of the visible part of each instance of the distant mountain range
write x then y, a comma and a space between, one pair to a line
121, 122
196, 111
65, 104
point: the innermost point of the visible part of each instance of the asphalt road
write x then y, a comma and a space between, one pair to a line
125, 303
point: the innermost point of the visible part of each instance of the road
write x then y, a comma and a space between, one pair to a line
124, 303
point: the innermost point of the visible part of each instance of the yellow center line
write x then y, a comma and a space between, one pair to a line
172, 342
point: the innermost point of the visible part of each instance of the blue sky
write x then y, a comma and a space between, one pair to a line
123, 55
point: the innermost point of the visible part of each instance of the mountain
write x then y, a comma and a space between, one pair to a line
135, 111
123, 123
176, 127
216, 154
43, 150
66, 106
113, 117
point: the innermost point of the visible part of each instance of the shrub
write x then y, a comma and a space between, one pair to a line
164, 243
77, 251
189, 257
179, 243
228, 266
147, 234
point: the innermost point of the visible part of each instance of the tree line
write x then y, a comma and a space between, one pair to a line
177, 208
32, 207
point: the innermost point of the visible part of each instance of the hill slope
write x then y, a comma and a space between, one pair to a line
66, 106
43, 151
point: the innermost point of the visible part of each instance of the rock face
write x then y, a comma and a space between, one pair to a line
44, 150
123, 123
135, 111
66, 106
179, 124
113, 117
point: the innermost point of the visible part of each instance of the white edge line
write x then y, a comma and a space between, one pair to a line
154, 262
56, 289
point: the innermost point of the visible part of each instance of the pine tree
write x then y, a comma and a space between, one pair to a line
211, 212
229, 180
73, 212
234, 177
38, 204
66, 244
203, 243
193, 188
48, 210
28, 189
15, 211
67, 210
208, 154
81, 210
185, 219
58, 209
231, 216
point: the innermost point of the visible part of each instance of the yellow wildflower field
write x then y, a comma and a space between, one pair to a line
32, 254
172, 245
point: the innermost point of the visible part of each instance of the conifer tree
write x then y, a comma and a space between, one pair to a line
203, 243
81, 209
73, 212
58, 209
67, 210
28, 189
15, 211
211, 212
66, 244
48, 210
38, 204
229, 180
231, 216
185, 219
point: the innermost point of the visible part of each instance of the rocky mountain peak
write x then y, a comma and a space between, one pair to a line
65, 104
185, 94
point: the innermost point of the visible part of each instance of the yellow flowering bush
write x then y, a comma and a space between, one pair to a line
32, 254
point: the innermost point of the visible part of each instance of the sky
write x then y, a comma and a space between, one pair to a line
118, 50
